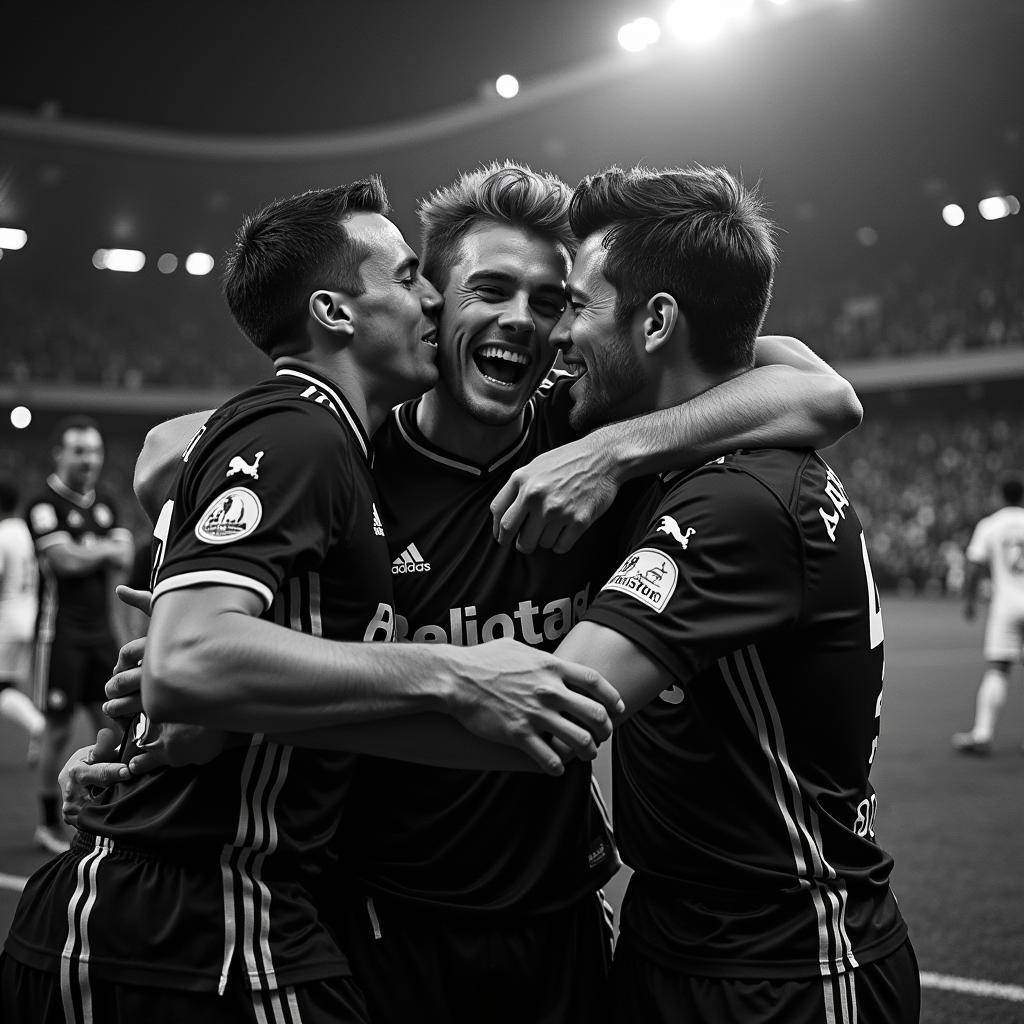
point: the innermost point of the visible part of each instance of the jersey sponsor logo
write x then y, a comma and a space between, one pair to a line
378, 526
530, 623
103, 516
239, 465
668, 525
381, 628
673, 695
836, 493
230, 517
44, 518
75, 519
410, 560
648, 575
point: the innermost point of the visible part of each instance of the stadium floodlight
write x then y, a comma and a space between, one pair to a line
953, 215
125, 261
639, 34
21, 417
994, 208
506, 86
168, 263
199, 263
867, 236
13, 238
700, 22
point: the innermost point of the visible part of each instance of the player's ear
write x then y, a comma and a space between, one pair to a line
331, 312
662, 316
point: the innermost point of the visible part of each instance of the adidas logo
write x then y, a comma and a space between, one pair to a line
410, 560
378, 527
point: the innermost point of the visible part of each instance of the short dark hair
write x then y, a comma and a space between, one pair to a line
9, 494
696, 233
1012, 487
290, 248
502, 192
76, 422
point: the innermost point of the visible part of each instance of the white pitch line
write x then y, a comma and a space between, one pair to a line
973, 987
947, 982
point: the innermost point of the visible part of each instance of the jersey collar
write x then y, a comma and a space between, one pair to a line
340, 407
81, 500
405, 420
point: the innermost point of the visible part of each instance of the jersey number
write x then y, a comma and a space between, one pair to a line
160, 532
874, 605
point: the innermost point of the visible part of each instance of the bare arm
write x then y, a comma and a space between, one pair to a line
271, 679
790, 399
974, 573
161, 456
76, 558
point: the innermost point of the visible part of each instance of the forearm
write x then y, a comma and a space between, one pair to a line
428, 739
972, 579
76, 559
250, 675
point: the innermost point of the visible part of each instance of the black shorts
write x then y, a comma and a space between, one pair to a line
886, 991
30, 996
423, 967
69, 672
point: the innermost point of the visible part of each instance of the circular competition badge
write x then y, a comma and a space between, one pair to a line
230, 516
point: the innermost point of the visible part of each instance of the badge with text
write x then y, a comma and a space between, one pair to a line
230, 516
649, 575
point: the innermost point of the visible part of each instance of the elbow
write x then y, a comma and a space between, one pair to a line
845, 410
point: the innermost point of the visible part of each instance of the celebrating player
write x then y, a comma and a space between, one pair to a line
743, 630
997, 546
188, 895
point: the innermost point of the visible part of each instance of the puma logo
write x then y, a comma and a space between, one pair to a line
239, 465
671, 527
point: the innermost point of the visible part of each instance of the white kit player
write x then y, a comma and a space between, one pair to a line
997, 546
19, 589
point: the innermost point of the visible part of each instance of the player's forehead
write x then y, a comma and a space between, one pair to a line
586, 279
513, 253
387, 249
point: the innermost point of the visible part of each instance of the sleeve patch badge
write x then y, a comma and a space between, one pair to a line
44, 518
649, 575
230, 517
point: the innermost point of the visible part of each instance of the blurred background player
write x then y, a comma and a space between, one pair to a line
996, 548
83, 552
18, 596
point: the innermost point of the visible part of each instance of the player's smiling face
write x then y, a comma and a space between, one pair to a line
504, 295
611, 377
396, 316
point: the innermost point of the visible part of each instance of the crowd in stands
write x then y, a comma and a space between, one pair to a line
920, 482
909, 308
181, 335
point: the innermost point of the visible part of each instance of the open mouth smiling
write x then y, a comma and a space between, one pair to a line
500, 365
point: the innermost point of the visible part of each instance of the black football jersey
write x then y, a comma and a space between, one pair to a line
500, 842
741, 794
274, 495
77, 608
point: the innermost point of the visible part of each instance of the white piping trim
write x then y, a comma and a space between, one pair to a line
343, 409
219, 576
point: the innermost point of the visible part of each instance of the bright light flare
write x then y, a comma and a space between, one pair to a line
639, 34
13, 238
168, 263
199, 263
997, 207
953, 215
506, 86
126, 261
701, 22
21, 417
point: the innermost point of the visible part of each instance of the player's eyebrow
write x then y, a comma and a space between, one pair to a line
574, 294
411, 263
504, 277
